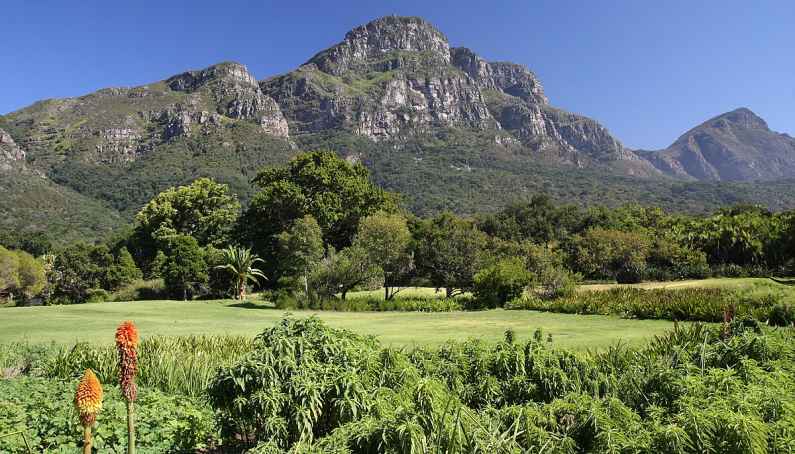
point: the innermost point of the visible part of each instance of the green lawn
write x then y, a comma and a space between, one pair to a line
97, 322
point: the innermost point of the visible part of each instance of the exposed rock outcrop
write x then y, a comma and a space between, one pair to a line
236, 94
10, 153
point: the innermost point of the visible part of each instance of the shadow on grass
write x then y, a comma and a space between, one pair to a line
252, 305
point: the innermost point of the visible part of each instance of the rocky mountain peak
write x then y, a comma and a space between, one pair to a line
736, 145
378, 39
741, 117
224, 73
236, 92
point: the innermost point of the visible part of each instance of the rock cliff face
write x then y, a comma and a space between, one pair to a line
236, 94
388, 78
737, 145
10, 153
398, 76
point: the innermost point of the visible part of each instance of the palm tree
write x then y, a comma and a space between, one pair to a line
240, 261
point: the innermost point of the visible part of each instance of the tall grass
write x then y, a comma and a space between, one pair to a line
175, 365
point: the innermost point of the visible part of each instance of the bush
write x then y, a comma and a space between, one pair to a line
501, 282
309, 388
141, 290
555, 282
97, 295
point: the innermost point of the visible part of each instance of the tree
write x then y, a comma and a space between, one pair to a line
9, 271
340, 272
386, 238
300, 249
80, 268
184, 268
123, 271
502, 282
32, 277
240, 262
205, 210
449, 251
321, 184
613, 253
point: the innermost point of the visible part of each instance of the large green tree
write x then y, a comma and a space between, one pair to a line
449, 251
204, 209
185, 267
321, 184
341, 272
300, 250
386, 238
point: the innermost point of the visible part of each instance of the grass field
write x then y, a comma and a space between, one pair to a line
96, 323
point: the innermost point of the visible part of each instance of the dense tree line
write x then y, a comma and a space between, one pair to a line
319, 228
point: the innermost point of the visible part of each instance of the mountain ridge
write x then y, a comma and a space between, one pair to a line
439, 123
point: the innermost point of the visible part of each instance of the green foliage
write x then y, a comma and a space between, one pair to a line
141, 290
694, 304
321, 184
80, 268
386, 238
240, 263
20, 274
44, 411
124, 271
300, 249
341, 272
613, 253
184, 269
449, 251
205, 210
308, 388
501, 282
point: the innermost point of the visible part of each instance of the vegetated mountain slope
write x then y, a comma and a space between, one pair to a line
735, 146
437, 123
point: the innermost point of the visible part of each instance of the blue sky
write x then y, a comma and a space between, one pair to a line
647, 70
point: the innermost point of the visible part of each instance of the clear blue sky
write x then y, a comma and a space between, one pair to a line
648, 70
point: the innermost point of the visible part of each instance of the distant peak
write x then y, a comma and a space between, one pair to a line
742, 117
378, 38
396, 24
228, 71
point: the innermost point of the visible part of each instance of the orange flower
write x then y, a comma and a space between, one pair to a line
126, 343
88, 398
127, 335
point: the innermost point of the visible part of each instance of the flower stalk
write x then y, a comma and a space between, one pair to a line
88, 402
126, 345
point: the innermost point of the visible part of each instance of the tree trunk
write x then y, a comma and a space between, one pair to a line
449, 292
241, 290
386, 293
184, 293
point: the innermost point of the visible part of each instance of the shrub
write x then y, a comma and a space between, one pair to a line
556, 282
97, 295
141, 290
501, 282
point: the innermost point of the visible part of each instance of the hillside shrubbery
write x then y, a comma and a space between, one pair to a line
303, 387
693, 304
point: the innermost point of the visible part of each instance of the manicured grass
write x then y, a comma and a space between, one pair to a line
97, 322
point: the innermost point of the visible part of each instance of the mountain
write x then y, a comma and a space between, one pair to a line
735, 146
439, 124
